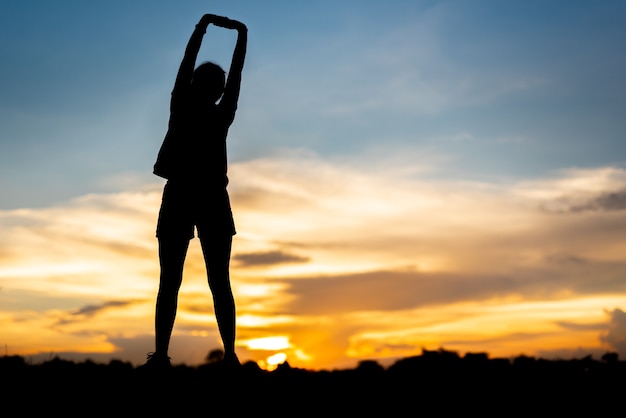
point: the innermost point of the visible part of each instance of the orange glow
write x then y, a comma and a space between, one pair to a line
274, 360
481, 268
268, 343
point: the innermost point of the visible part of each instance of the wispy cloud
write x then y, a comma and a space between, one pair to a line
615, 335
266, 258
89, 311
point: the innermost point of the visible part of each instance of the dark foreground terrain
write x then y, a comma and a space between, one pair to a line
437, 383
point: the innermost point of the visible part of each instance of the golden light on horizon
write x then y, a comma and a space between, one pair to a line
379, 265
507, 328
274, 360
258, 321
268, 343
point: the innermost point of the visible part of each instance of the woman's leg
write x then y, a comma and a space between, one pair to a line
172, 253
216, 250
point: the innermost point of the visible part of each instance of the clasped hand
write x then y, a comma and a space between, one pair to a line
222, 22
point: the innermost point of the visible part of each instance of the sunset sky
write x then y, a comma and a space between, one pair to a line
403, 175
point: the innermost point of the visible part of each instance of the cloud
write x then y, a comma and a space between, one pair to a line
377, 217
579, 190
374, 251
401, 290
87, 312
577, 326
608, 201
390, 291
91, 310
267, 258
615, 336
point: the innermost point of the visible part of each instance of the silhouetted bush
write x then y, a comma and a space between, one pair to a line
438, 380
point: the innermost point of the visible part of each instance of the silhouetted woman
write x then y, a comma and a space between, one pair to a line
193, 160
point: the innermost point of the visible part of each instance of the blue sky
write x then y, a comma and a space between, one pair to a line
497, 89
404, 174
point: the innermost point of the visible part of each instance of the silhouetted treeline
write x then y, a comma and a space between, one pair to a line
440, 382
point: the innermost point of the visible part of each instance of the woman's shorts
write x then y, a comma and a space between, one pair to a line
184, 207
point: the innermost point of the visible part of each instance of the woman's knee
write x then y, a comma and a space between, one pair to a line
219, 283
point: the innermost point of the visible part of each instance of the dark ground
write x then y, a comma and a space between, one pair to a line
434, 383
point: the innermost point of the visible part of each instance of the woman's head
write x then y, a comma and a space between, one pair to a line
208, 81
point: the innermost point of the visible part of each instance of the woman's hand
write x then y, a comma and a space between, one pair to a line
233, 24
223, 22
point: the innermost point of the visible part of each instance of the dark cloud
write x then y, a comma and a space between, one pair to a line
605, 202
389, 290
565, 259
572, 326
196, 302
401, 290
615, 336
89, 311
268, 258
613, 201
201, 309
